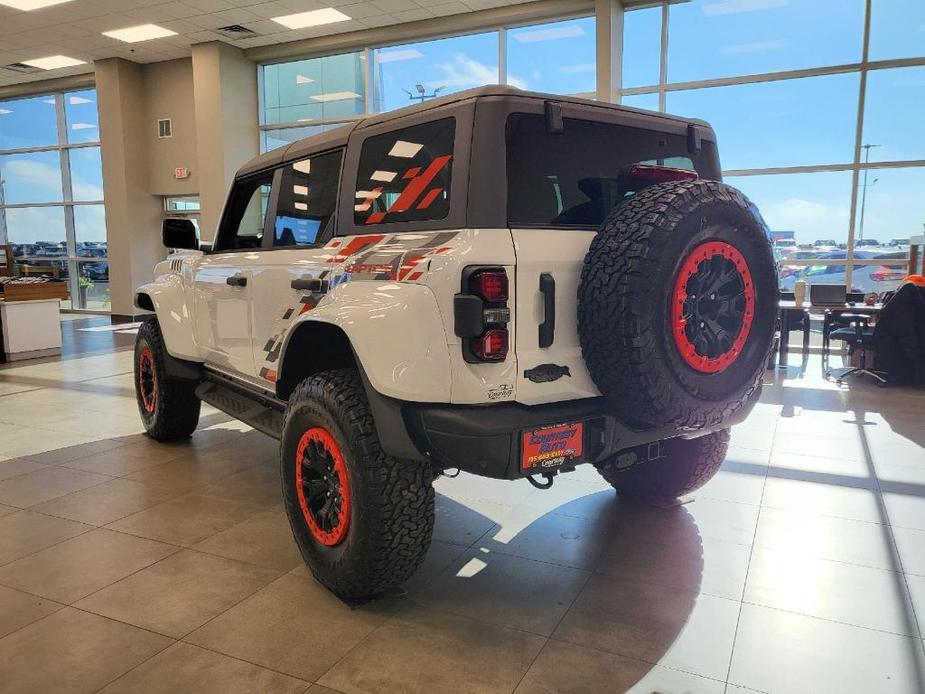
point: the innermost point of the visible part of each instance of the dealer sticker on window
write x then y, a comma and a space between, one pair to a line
552, 446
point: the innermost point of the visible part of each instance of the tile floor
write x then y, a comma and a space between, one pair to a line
126, 565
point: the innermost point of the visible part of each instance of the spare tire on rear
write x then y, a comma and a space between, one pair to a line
677, 304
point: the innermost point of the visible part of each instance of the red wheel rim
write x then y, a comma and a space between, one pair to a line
322, 486
147, 380
712, 306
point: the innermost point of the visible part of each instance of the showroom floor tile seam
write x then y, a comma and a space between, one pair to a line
751, 554
634, 658
219, 653
183, 637
90, 529
895, 556
29, 508
74, 602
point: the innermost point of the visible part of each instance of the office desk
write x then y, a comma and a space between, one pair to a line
784, 307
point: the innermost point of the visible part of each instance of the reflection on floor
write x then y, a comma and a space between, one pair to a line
133, 566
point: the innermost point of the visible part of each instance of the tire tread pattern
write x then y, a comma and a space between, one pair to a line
616, 281
177, 413
688, 465
390, 533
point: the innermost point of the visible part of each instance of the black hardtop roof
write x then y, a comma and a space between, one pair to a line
338, 136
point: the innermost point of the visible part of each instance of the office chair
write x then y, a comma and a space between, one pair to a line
859, 335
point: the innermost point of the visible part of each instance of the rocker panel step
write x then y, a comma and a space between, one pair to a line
261, 413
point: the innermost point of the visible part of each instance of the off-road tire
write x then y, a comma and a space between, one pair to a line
174, 412
688, 465
625, 304
391, 502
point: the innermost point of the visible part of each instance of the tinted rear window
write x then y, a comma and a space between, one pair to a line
404, 175
573, 178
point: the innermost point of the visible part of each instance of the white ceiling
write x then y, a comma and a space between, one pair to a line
75, 28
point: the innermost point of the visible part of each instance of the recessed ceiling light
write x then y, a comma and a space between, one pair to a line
302, 79
28, 5
143, 32
385, 176
336, 96
76, 100
53, 62
305, 166
301, 206
300, 190
315, 18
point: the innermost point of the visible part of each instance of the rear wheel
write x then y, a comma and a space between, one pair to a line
168, 406
362, 520
687, 465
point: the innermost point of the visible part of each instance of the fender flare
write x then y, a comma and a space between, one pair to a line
411, 360
167, 297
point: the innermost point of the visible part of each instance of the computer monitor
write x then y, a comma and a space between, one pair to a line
827, 294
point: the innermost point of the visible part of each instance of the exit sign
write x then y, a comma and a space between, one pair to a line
181, 172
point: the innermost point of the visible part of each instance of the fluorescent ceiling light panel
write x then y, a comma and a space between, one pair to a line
302, 79
386, 176
336, 96
54, 62
28, 5
301, 206
142, 32
566, 32
400, 54
404, 149
300, 190
715, 9
305, 166
316, 18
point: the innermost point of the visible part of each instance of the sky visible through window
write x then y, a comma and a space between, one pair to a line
809, 121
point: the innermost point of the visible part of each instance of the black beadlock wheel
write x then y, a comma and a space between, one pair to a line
168, 406
687, 465
362, 520
677, 305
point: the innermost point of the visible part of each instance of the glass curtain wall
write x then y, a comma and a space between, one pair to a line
305, 97
817, 109
51, 193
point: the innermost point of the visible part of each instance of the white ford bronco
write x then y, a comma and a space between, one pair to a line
500, 282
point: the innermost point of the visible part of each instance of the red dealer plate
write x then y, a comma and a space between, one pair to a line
551, 446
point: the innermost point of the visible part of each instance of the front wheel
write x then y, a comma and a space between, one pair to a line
168, 406
687, 465
362, 520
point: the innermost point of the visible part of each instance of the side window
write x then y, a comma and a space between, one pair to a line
242, 225
404, 176
307, 196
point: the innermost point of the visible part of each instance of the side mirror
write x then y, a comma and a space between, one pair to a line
178, 232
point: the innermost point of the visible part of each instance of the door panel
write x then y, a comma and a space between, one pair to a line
222, 314
560, 253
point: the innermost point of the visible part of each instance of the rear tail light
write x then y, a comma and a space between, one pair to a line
492, 345
490, 285
660, 174
482, 315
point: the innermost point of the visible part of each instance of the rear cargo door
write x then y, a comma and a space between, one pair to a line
549, 362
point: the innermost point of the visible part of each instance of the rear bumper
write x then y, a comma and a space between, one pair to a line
486, 440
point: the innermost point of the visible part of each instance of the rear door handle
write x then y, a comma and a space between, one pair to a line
548, 326
312, 285
236, 281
